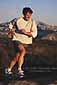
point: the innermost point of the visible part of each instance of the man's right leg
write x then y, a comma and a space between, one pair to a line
12, 63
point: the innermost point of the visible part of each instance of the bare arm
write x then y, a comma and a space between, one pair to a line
26, 33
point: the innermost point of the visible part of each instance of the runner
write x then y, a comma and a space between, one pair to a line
26, 30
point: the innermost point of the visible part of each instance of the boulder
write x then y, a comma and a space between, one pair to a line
42, 52
52, 36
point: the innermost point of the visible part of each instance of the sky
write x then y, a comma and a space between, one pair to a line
43, 10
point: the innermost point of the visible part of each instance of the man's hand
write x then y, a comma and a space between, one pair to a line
26, 33
23, 31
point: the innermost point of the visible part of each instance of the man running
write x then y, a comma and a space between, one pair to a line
26, 30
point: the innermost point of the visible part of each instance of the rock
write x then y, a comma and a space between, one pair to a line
23, 83
44, 52
52, 36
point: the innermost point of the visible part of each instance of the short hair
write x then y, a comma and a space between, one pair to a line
27, 9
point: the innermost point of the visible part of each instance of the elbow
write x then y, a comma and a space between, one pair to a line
34, 35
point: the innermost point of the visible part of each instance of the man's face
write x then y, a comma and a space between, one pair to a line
27, 16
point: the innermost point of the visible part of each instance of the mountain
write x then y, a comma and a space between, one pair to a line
40, 25
4, 26
44, 26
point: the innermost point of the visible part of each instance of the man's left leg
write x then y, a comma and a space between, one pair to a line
21, 58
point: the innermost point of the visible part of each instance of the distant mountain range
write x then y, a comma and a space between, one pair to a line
40, 25
4, 26
45, 26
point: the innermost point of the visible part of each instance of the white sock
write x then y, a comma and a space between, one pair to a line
19, 69
9, 69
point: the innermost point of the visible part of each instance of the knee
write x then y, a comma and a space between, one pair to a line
22, 48
24, 51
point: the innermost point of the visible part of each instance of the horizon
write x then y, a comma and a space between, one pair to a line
44, 10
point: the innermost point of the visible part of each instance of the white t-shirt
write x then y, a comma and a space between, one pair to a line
29, 26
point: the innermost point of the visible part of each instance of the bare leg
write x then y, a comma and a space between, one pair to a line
21, 57
13, 62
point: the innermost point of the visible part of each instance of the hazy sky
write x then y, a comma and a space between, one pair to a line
44, 10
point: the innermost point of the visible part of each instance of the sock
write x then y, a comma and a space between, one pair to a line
9, 69
19, 69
